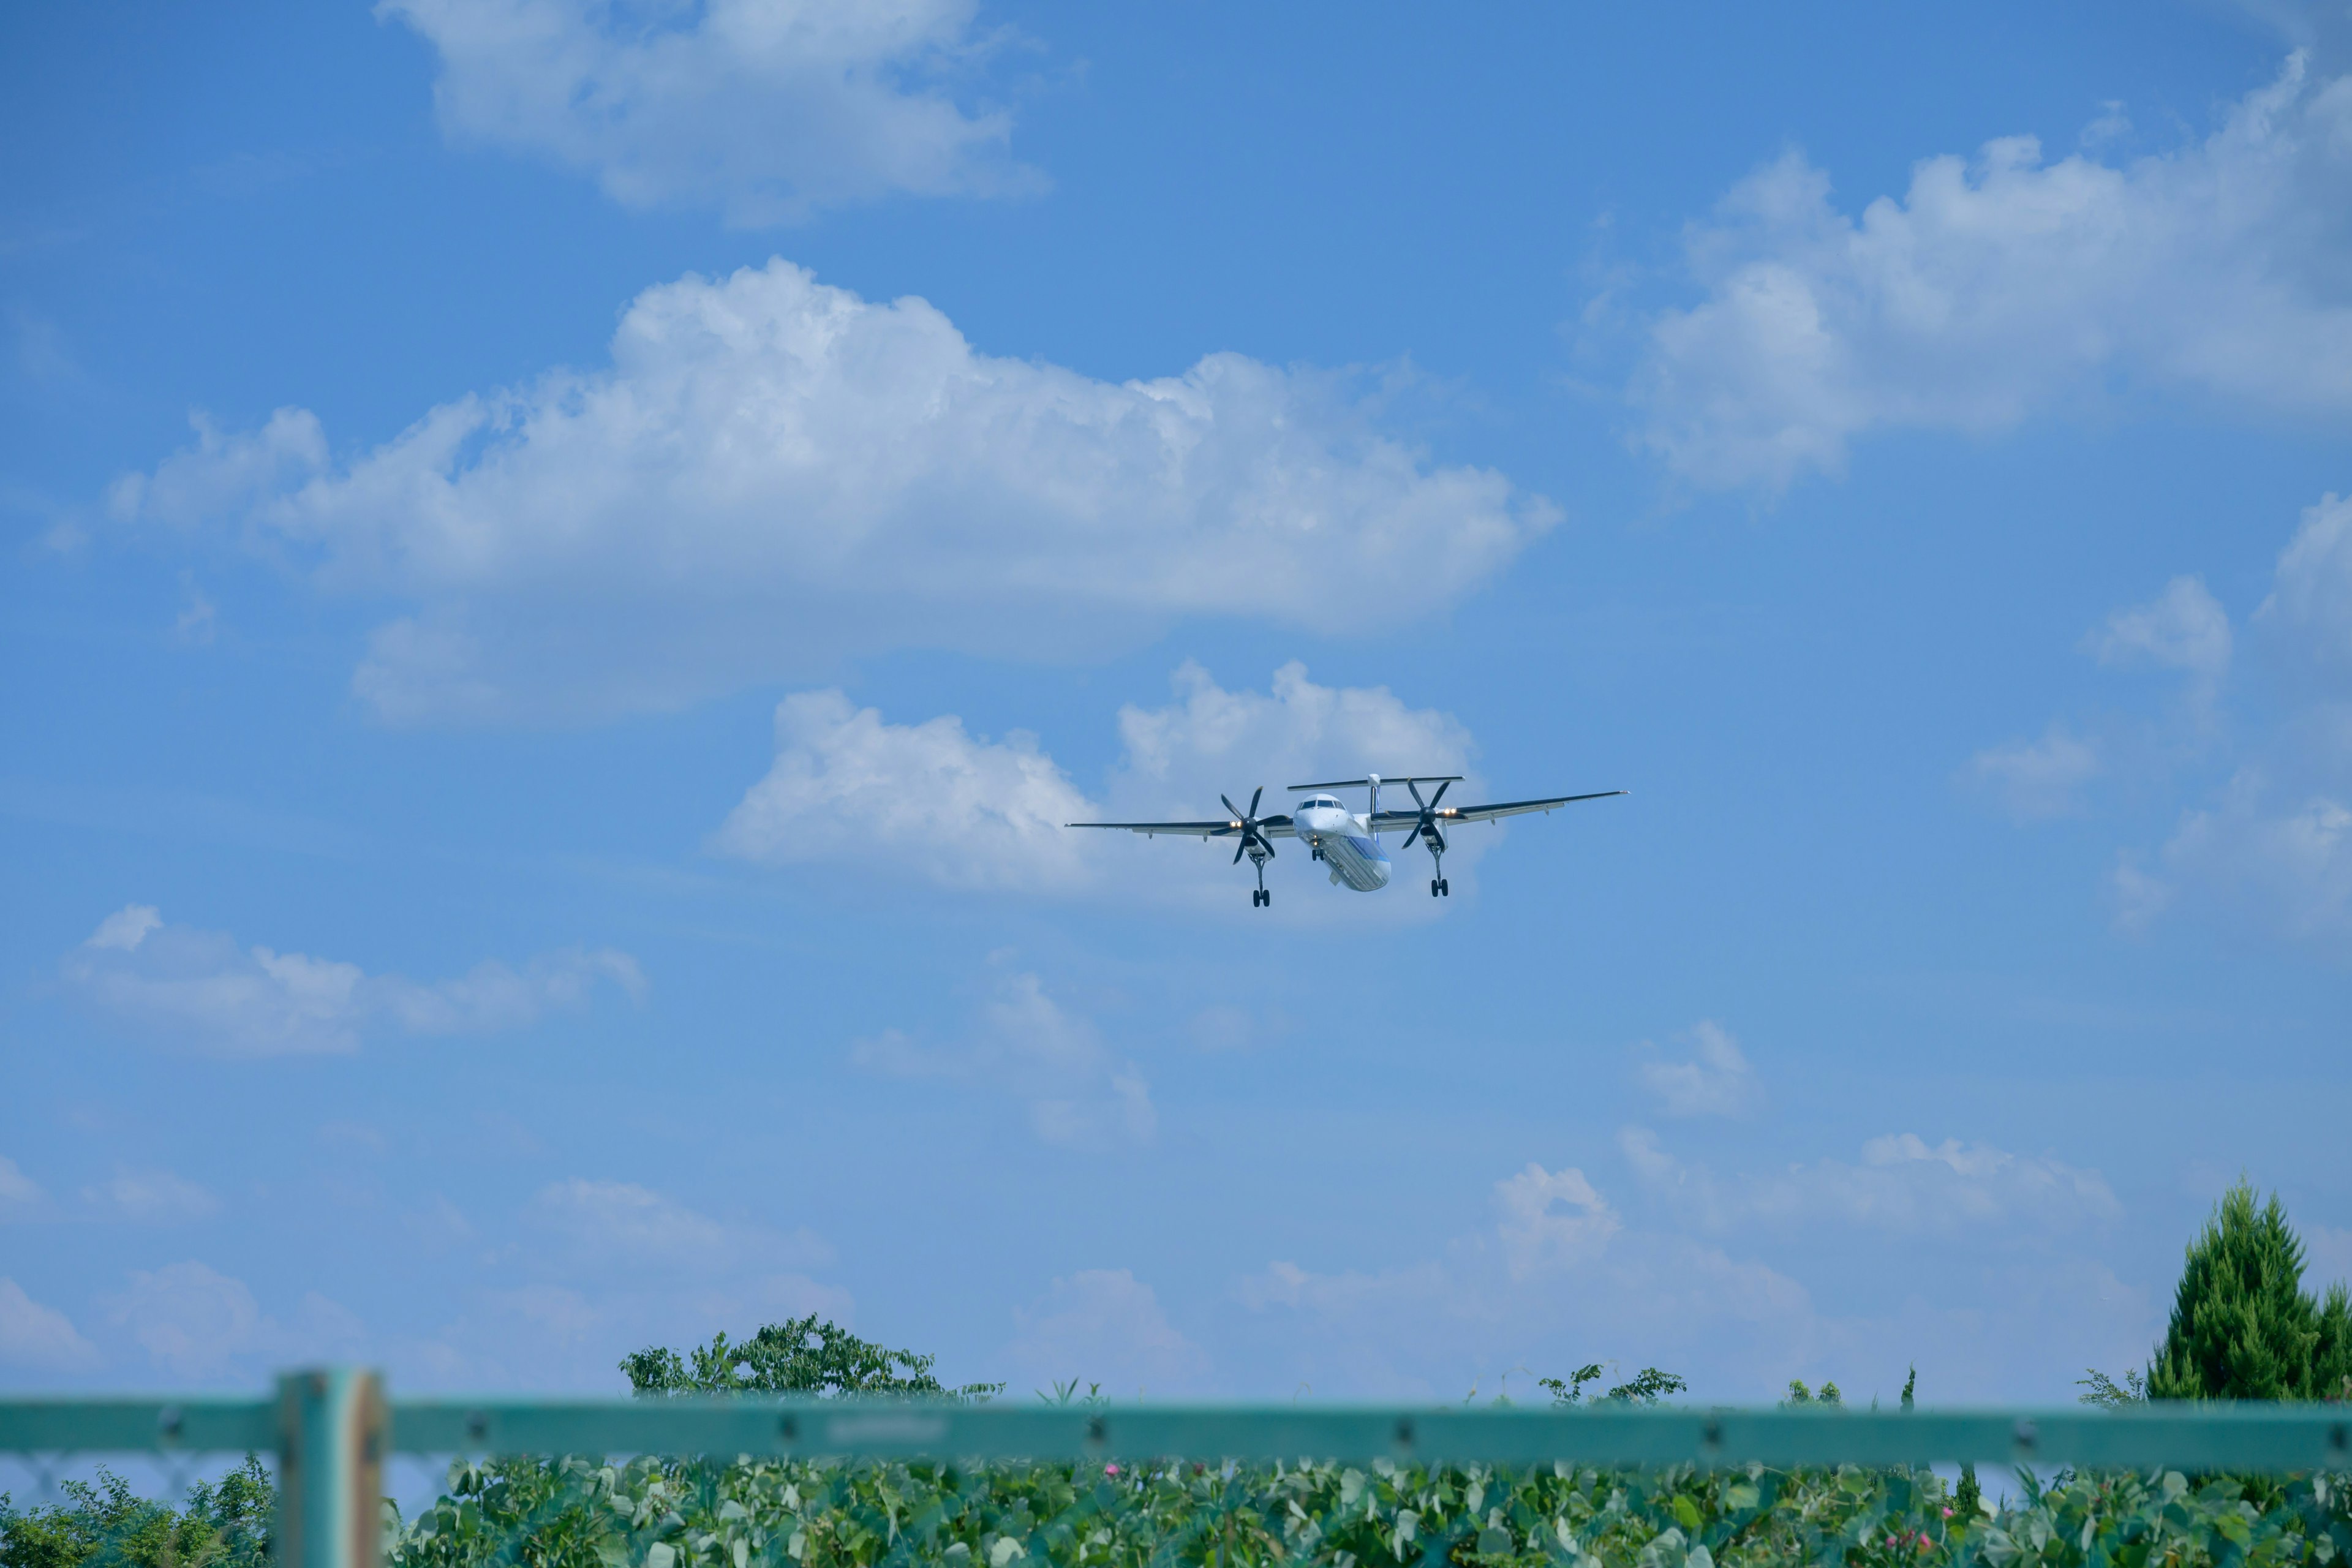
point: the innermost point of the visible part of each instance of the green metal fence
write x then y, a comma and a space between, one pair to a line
332, 1430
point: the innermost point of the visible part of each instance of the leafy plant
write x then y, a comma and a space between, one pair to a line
806, 1356
2242, 1325
223, 1524
1646, 1386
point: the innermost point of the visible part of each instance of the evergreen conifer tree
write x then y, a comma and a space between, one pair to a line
2331, 1361
2242, 1326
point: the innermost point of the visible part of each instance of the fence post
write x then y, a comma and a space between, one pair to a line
333, 1431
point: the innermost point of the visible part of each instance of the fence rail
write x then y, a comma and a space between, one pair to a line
2246, 1437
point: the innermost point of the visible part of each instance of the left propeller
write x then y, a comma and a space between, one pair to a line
1248, 821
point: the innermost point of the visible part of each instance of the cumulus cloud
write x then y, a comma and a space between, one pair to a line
2272, 847
1550, 1218
621, 1222
933, 801
152, 1195
196, 1321
596, 1262
1716, 1081
38, 1337
2284, 861
958, 809
1556, 1273
2037, 778
2185, 628
775, 475
2004, 284
1902, 1185
19, 1193
1075, 1092
2311, 594
198, 988
1104, 1325
765, 110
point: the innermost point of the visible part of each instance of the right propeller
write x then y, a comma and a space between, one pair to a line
1427, 822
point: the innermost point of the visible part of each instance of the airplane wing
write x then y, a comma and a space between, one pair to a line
1223, 828
1447, 815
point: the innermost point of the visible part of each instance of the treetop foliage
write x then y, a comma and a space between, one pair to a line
1646, 1386
2242, 1327
805, 1355
224, 1524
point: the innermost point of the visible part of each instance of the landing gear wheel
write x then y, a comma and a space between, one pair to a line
1445, 887
1435, 884
1261, 898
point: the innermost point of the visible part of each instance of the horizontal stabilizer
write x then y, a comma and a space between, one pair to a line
1359, 783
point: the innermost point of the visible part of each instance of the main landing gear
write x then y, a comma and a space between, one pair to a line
1425, 829
1254, 844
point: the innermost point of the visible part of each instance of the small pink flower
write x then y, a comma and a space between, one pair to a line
1948, 1513
1110, 1469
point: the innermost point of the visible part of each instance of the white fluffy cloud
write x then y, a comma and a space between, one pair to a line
2311, 596
2184, 628
1901, 1185
933, 801
1716, 1081
775, 475
198, 988
624, 1223
19, 1193
1075, 1092
1556, 1273
197, 1322
36, 1336
1550, 1219
2274, 846
2286, 862
2004, 284
2037, 778
156, 1196
1104, 1325
764, 109
960, 810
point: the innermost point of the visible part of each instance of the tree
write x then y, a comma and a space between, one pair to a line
1646, 1386
806, 1356
2242, 1326
226, 1524
2331, 1358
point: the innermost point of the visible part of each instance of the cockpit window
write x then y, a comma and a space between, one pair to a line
1317, 800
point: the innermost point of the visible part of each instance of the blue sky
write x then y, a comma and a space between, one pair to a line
565, 563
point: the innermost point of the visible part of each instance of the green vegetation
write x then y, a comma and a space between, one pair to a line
1167, 1513
803, 1356
224, 1524
2243, 1326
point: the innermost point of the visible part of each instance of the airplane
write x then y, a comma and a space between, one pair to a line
1350, 841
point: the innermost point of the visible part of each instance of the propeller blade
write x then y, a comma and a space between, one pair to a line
1240, 848
1253, 800
1416, 794
1239, 816
1440, 794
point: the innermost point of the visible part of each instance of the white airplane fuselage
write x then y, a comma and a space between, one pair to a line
1345, 841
